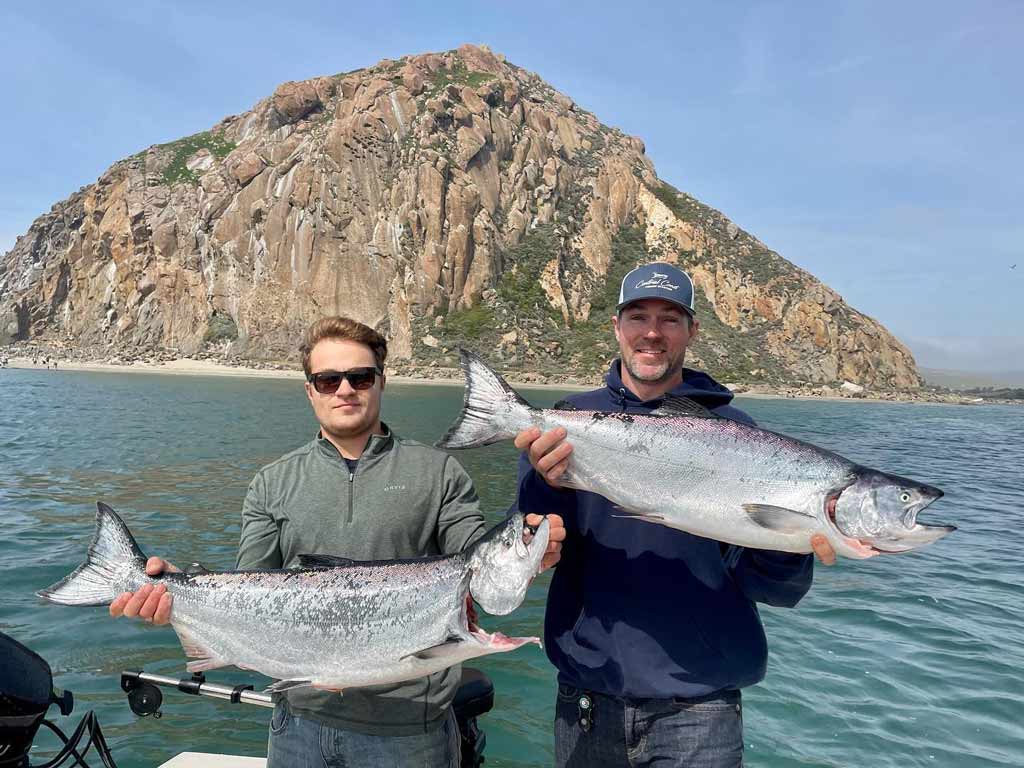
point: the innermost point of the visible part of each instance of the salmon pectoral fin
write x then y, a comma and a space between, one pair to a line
204, 664
630, 514
780, 519
329, 687
447, 648
203, 658
286, 685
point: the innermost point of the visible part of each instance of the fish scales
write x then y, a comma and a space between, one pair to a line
649, 464
346, 609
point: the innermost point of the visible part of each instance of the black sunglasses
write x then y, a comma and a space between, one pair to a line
327, 382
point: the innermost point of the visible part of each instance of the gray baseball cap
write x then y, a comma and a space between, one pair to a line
657, 281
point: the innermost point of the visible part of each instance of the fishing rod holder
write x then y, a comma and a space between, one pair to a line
473, 698
145, 697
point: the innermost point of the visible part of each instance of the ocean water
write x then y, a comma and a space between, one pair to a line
912, 660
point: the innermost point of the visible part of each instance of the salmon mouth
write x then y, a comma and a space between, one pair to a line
501, 642
496, 640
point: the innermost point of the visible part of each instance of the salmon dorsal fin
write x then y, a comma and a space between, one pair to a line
324, 561
674, 405
564, 405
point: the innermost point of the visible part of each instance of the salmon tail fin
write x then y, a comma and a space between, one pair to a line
112, 554
491, 409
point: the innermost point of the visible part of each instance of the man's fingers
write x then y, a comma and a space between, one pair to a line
149, 607
132, 607
556, 528
548, 443
548, 452
525, 438
823, 550
554, 457
155, 566
554, 475
550, 560
556, 532
163, 610
117, 607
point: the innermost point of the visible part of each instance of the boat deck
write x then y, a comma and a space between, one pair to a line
209, 760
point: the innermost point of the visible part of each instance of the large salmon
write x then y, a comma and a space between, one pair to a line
332, 623
684, 467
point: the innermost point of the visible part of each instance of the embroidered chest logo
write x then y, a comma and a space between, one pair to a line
394, 487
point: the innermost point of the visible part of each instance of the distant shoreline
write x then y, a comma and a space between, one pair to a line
192, 367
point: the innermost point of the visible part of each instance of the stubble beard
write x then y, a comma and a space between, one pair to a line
671, 368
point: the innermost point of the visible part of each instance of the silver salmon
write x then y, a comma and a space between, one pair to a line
331, 623
684, 467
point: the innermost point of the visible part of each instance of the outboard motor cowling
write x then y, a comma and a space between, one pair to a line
26, 692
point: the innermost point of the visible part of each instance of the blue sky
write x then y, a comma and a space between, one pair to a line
879, 145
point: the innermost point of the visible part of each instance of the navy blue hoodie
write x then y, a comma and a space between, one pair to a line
639, 610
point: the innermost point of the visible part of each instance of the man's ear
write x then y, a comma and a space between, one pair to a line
309, 392
694, 329
383, 381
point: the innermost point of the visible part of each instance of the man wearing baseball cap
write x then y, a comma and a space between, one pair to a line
654, 631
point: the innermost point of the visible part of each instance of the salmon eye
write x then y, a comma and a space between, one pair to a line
905, 497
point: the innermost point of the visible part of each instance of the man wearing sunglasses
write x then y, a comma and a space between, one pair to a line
357, 490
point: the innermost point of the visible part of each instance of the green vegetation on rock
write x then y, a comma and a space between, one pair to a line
519, 287
459, 75
221, 327
683, 206
468, 325
591, 341
181, 150
544, 344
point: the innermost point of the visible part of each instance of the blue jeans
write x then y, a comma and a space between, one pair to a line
628, 733
297, 742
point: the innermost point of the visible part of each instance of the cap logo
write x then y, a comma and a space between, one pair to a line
657, 280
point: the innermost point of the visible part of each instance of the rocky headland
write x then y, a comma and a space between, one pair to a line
446, 199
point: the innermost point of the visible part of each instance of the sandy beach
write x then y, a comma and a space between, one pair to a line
182, 367
191, 367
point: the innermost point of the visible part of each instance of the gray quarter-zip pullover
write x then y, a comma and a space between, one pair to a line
403, 500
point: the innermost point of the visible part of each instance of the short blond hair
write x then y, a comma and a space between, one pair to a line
345, 328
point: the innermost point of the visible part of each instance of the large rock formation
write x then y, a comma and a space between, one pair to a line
440, 198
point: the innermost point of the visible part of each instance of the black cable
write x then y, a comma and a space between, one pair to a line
69, 747
90, 723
